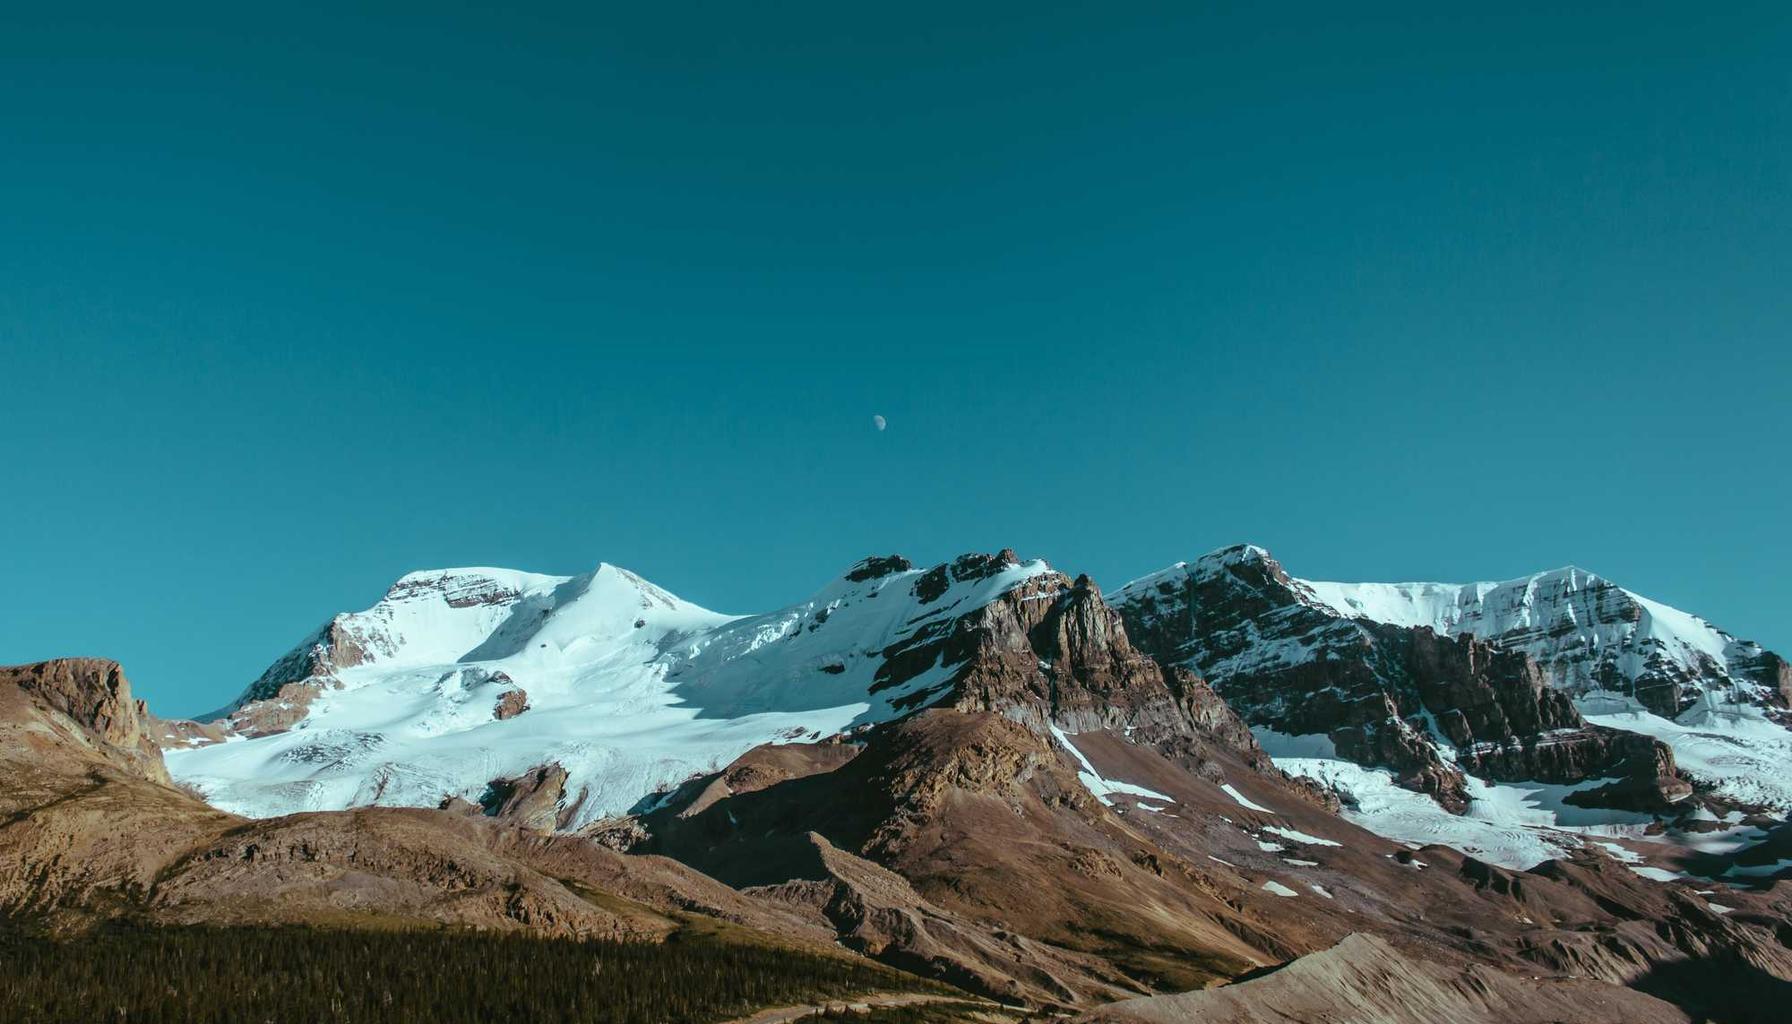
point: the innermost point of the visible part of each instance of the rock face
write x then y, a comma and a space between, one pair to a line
95, 695
1429, 706
281, 696
534, 800
1050, 653
1588, 634
511, 703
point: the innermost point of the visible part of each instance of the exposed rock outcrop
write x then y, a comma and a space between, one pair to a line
511, 703
1050, 653
94, 695
536, 800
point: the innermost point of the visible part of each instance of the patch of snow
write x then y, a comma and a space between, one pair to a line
1102, 789
1624, 855
1515, 826
1278, 888
1242, 800
1299, 837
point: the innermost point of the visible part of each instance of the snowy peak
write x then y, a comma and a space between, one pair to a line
1239, 570
841, 646
1240, 559
447, 616
1591, 634
1518, 679
459, 679
603, 606
465, 587
431, 616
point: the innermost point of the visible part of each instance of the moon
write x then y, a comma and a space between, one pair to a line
879, 422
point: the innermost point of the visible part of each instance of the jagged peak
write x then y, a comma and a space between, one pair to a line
1234, 554
1214, 560
1248, 563
873, 567
973, 566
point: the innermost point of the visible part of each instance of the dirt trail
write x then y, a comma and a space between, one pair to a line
860, 1004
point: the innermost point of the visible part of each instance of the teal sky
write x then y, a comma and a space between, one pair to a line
291, 304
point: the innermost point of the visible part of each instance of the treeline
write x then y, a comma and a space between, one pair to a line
310, 976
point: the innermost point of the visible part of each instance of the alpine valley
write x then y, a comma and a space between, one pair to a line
981, 790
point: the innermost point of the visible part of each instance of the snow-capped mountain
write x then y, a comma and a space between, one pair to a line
1427, 677
564, 701
460, 678
1590, 634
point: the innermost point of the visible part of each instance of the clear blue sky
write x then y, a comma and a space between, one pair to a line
292, 304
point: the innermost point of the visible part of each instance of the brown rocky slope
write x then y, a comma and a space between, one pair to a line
989, 818
1365, 979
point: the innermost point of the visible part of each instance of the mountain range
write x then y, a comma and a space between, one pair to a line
1548, 795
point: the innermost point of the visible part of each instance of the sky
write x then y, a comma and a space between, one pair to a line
292, 303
